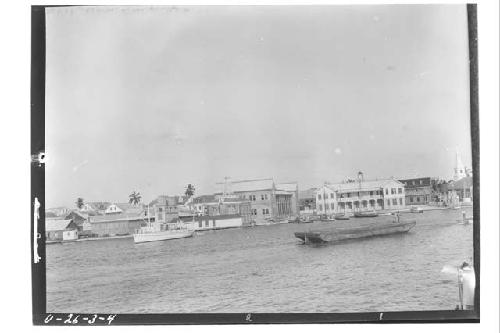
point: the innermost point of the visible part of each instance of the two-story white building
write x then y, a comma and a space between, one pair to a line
387, 194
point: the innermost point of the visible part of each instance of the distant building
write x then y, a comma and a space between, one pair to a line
388, 194
460, 191
57, 212
60, 230
165, 208
200, 202
95, 208
267, 199
420, 191
116, 224
307, 200
81, 221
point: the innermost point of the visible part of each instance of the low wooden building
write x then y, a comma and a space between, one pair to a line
57, 230
116, 224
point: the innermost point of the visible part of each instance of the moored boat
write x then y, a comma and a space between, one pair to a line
159, 232
366, 214
328, 218
337, 234
416, 210
341, 217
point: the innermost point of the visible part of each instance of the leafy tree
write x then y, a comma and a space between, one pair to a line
79, 203
134, 198
189, 190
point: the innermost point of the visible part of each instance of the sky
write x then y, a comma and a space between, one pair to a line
153, 98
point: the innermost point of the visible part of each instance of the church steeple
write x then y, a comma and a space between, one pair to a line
459, 171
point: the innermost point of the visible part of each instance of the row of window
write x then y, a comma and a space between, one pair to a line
394, 203
265, 211
326, 196
253, 197
418, 199
398, 190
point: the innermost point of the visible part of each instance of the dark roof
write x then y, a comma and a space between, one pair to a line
415, 182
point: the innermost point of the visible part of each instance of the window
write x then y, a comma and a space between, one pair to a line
320, 207
265, 211
388, 202
199, 224
418, 199
319, 196
326, 207
394, 202
421, 181
411, 199
393, 191
386, 191
371, 192
401, 201
262, 197
400, 190
266, 196
348, 195
207, 223
331, 195
333, 206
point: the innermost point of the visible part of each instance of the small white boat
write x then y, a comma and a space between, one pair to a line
155, 231
159, 232
416, 210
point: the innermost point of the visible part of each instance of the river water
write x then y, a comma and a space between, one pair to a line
263, 269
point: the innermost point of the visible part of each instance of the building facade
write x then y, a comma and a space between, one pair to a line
307, 201
420, 191
116, 224
165, 208
340, 198
268, 200
60, 230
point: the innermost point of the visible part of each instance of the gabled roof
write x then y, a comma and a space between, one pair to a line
56, 224
366, 185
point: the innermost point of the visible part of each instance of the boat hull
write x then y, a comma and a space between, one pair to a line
365, 214
162, 236
341, 234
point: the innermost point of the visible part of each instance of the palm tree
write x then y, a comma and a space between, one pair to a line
79, 203
134, 198
189, 191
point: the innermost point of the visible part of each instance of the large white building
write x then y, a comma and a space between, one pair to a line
387, 194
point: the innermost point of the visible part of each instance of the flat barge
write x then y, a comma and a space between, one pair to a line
336, 234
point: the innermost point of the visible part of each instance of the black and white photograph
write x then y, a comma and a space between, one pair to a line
251, 161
